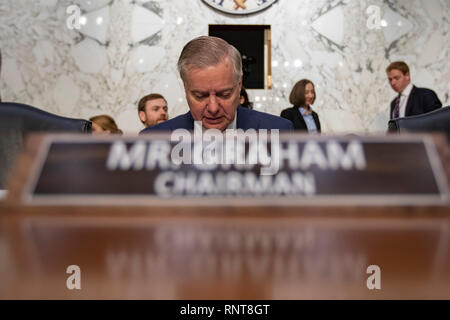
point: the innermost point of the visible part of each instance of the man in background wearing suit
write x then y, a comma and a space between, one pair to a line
411, 100
211, 70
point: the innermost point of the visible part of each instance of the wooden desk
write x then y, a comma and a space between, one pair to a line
228, 252
224, 258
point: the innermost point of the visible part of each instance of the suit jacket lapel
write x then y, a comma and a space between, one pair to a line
189, 121
244, 120
298, 120
316, 121
391, 109
410, 101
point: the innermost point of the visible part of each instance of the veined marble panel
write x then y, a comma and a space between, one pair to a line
128, 49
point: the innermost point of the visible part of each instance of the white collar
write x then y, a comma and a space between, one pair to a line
232, 125
407, 91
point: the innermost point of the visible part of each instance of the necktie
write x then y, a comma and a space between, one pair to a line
396, 112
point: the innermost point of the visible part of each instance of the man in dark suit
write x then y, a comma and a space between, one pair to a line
411, 100
246, 119
211, 70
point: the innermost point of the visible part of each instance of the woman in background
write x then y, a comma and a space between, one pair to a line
243, 100
104, 124
301, 114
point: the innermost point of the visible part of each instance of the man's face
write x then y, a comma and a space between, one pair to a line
155, 111
398, 80
213, 95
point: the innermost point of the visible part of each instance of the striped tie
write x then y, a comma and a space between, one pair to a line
396, 111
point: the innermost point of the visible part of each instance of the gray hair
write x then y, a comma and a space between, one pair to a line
206, 51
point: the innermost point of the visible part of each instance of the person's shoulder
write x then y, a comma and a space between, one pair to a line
256, 114
422, 90
269, 121
183, 121
287, 111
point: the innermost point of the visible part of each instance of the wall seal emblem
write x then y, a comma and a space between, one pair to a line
240, 6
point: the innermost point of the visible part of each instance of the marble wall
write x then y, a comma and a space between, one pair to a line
125, 49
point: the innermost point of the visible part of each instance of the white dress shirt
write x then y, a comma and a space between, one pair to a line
233, 124
404, 100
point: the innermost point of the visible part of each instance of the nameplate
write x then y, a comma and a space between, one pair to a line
273, 170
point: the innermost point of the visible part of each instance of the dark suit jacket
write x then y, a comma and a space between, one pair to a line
246, 119
420, 100
296, 118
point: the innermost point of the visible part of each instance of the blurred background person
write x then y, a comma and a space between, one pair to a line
152, 109
244, 101
410, 100
301, 114
0, 72
104, 124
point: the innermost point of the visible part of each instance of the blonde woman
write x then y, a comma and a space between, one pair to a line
104, 124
